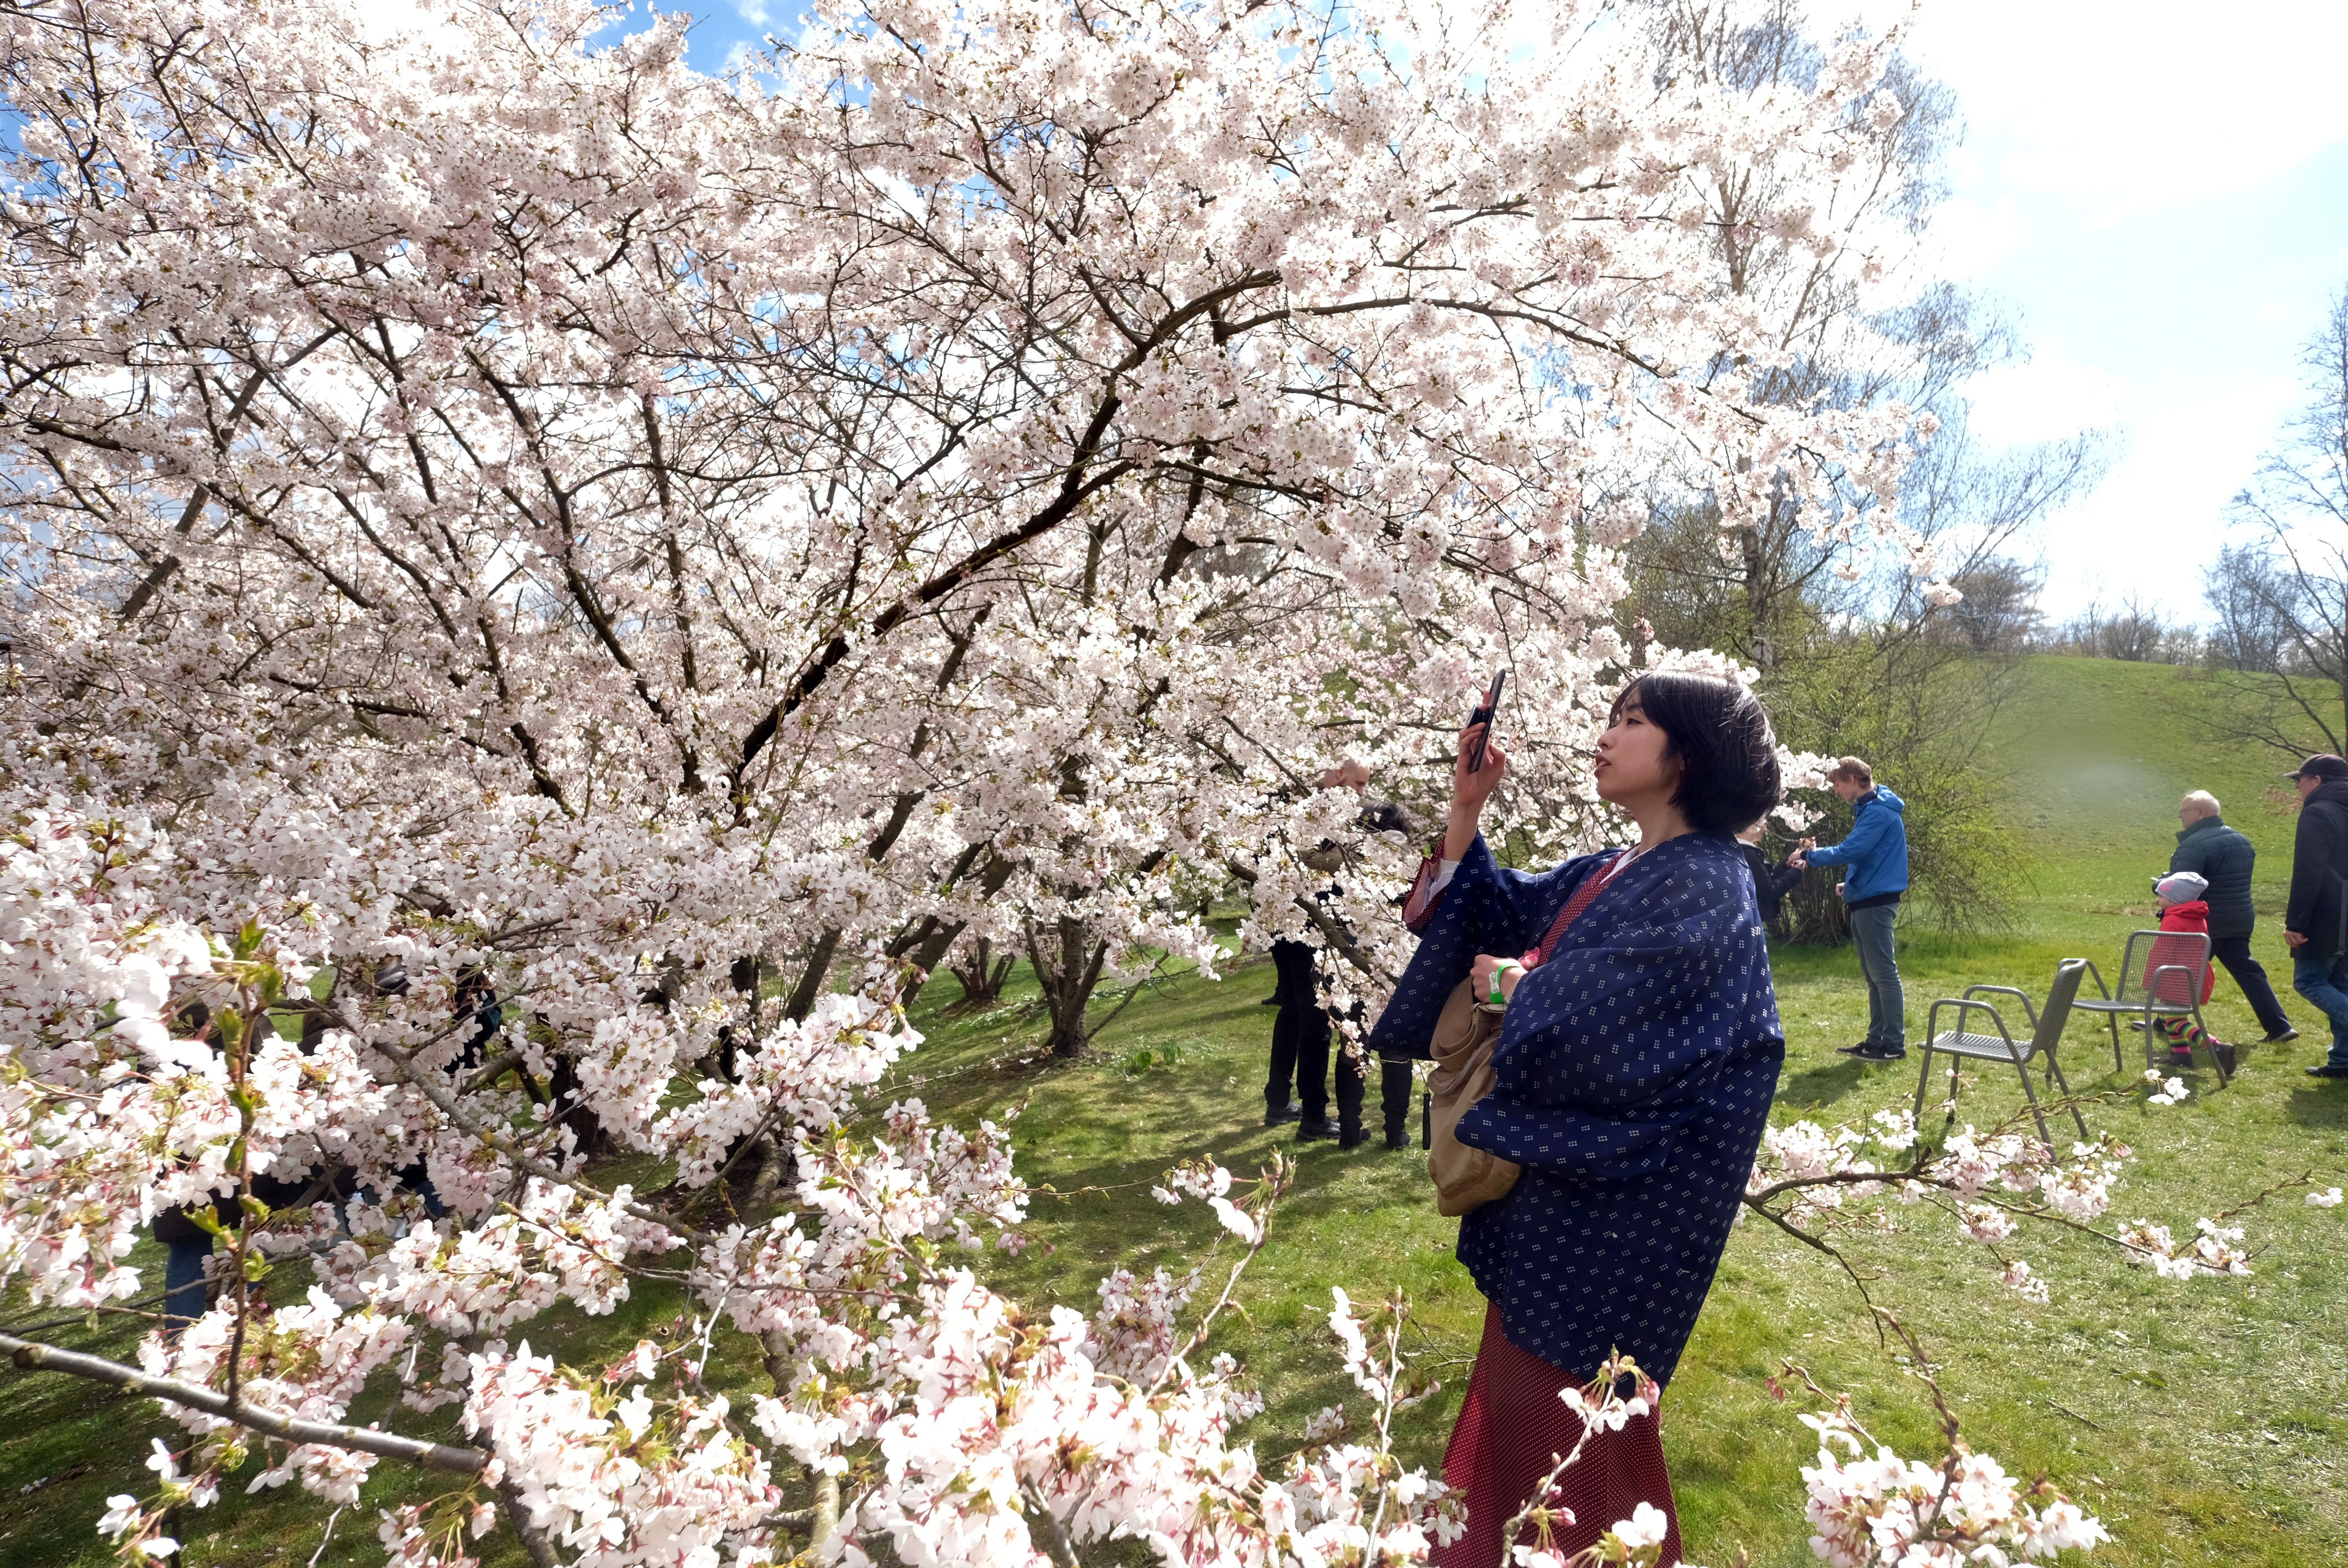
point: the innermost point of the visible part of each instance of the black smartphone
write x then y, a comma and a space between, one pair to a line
1484, 715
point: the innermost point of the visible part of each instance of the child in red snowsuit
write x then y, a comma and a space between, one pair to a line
2170, 968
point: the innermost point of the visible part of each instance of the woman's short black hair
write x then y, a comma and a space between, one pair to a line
1727, 752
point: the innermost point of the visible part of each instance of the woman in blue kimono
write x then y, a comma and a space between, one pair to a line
1638, 1054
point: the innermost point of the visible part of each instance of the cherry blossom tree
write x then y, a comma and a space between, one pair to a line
488, 511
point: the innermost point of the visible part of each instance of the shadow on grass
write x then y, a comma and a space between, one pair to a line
2321, 1104
1818, 1087
1223, 1148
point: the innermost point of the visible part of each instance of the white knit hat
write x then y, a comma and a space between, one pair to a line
2181, 887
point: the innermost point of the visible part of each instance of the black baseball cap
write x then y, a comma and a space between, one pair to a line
2322, 765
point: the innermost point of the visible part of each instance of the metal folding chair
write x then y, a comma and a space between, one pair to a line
2140, 993
2045, 1033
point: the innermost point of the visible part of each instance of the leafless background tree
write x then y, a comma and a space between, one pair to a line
2281, 599
2245, 593
1852, 658
1999, 613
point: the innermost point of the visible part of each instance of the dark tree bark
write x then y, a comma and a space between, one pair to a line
1069, 966
982, 971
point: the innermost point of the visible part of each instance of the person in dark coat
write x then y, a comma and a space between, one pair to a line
2315, 921
1300, 1029
2223, 858
1638, 1054
1299, 1013
1770, 883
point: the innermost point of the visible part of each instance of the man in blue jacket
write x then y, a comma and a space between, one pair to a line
1874, 857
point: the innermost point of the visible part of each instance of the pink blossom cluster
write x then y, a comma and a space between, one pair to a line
1886, 1512
619, 1480
310, 1360
2214, 1248
1990, 1183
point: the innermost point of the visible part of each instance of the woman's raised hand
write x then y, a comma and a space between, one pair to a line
1470, 790
1473, 789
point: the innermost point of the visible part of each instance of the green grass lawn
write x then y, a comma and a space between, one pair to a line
2202, 1419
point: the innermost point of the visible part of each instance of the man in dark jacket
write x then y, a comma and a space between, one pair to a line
1770, 883
2315, 922
2222, 857
1301, 1028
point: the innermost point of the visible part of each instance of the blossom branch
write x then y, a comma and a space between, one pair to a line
33, 1356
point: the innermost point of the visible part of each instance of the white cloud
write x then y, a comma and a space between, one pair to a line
2160, 515
2134, 103
2139, 190
2045, 398
1971, 233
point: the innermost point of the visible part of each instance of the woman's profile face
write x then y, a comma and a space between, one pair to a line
1634, 760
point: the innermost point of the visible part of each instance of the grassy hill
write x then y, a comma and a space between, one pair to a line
2100, 751
2204, 1420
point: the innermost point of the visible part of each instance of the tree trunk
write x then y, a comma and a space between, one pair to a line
823, 1512
1067, 969
981, 973
778, 1167
1761, 589
571, 1111
929, 940
1814, 913
818, 967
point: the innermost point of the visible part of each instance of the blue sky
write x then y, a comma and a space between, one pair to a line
2156, 193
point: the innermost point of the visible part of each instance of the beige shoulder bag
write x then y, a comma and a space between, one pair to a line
1465, 1034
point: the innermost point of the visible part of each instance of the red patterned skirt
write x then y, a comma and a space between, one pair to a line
1512, 1427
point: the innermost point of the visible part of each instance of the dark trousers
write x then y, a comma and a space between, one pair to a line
1887, 1004
183, 1280
2234, 952
1299, 1035
1393, 1096
1353, 1076
2323, 981
1300, 1053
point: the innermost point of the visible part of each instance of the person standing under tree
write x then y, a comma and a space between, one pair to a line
1874, 855
2223, 858
1300, 1029
1770, 883
1638, 1053
2315, 921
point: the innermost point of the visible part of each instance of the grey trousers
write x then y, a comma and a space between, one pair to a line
1887, 1005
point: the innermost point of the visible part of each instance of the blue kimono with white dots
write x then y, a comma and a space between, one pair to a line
1634, 1069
